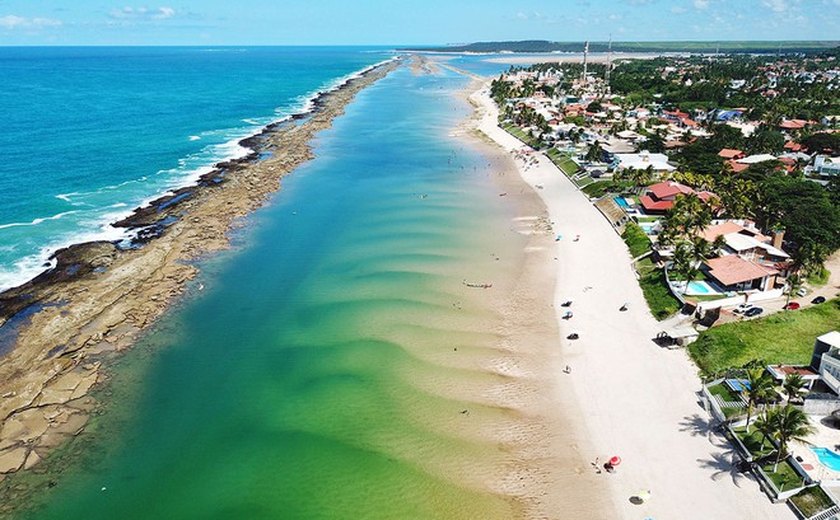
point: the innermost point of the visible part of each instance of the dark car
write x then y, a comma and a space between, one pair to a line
792, 306
818, 300
754, 311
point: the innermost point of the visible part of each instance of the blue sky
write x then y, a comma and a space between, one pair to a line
387, 22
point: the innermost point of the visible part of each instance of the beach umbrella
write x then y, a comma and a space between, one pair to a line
644, 496
615, 460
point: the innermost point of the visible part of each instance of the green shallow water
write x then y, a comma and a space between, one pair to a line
311, 378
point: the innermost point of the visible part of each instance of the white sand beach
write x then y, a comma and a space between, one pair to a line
639, 401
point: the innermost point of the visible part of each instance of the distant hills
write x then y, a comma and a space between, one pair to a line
532, 46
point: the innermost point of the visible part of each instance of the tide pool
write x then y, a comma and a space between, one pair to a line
333, 366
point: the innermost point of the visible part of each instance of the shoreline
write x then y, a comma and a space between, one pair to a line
638, 400
98, 299
551, 470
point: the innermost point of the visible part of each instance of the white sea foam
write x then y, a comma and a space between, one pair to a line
102, 227
37, 221
195, 138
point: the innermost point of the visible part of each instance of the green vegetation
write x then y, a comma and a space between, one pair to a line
818, 277
727, 395
522, 136
785, 476
655, 288
786, 337
681, 46
756, 442
637, 241
563, 161
811, 501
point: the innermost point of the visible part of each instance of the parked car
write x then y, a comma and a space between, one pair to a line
754, 311
818, 300
743, 308
802, 292
792, 306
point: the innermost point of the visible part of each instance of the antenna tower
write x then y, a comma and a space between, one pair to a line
585, 58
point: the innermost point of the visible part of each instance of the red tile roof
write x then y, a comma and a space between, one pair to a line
732, 269
736, 166
655, 205
792, 146
665, 189
730, 153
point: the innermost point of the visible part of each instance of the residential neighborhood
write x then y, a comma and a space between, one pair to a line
727, 193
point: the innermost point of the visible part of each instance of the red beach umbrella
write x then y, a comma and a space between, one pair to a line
615, 460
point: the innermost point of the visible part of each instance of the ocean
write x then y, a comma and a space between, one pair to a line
333, 364
90, 133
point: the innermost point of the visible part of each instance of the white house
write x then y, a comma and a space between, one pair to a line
643, 160
827, 356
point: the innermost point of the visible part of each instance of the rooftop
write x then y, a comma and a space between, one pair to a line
732, 269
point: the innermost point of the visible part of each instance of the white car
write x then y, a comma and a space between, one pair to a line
744, 307
802, 292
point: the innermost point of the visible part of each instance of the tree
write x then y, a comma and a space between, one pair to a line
794, 282
766, 140
689, 216
822, 143
684, 263
594, 107
766, 426
794, 386
595, 153
758, 388
806, 212
791, 424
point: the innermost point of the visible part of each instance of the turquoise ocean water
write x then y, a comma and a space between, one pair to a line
327, 367
88, 134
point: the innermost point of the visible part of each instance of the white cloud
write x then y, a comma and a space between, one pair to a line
19, 22
701, 4
778, 6
678, 9
142, 13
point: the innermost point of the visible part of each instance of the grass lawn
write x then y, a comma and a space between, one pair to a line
785, 477
726, 394
819, 278
562, 161
517, 132
756, 443
785, 337
811, 501
659, 298
636, 240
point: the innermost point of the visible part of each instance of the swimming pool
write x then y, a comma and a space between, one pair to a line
828, 458
621, 201
700, 288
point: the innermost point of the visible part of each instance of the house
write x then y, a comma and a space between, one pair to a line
731, 154
826, 166
660, 197
795, 124
733, 273
793, 146
755, 159
826, 359
735, 166
643, 160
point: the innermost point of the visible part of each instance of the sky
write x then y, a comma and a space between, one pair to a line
403, 22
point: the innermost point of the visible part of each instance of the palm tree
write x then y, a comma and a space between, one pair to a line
758, 388
794, 284
685, 263
791, 424
794, 386
765, 425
